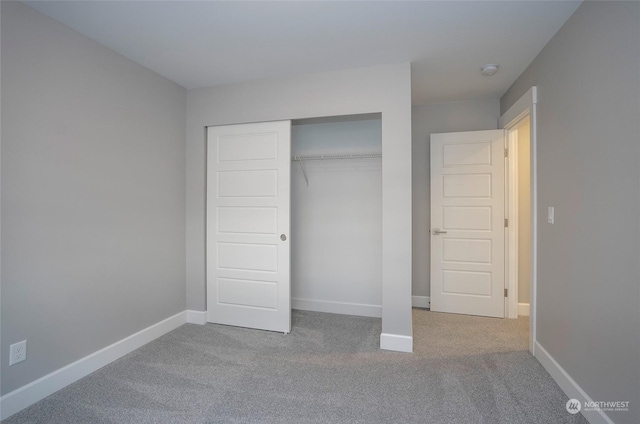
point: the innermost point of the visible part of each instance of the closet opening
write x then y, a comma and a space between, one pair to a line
336, 214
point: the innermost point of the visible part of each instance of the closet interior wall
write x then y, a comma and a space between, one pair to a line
336, 220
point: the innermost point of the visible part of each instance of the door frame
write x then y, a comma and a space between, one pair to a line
511, 213
523, 107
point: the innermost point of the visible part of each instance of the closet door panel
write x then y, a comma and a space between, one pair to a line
248, 183
244, 147
247, 257
248, 203
249, 293
247, 220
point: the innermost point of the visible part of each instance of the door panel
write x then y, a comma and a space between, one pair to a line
248, 256
465, 282
248, 147
469, 185
472, 218
249, 183
262, 294
467, 223
248, 201
248, 220
465, 250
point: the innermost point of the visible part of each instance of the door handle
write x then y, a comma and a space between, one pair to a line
283, 237
438, 231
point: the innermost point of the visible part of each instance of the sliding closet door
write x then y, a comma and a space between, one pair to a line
248, 201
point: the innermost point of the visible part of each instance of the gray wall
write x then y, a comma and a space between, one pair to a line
588, 301
382, 89
426, 120
93, 206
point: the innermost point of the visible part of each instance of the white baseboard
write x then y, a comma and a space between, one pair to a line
196, 317
569, 386
31, 393
396, 342
344, 308
421, 302
523, 309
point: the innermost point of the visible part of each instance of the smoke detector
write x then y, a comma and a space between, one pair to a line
489, 70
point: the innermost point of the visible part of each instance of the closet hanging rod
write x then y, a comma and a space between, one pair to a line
337, 156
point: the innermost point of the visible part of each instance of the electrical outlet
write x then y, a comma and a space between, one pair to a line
17, 352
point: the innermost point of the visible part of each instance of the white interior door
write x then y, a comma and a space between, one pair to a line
467, 223
248, 202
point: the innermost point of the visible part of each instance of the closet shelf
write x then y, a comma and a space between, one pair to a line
302, 158
337, 156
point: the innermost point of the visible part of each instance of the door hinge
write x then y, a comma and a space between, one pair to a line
506, 292
506, 153
506, 222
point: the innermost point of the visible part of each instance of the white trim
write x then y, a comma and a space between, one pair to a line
31, 393
511, 246
527, 104
196, 317
421, 302
523, 309
331, 307
522, 105
396, 342
533, 282
569, 386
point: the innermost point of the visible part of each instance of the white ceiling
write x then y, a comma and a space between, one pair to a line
205, 43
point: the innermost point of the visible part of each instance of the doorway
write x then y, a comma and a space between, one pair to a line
520, 273
519, 215
336, 215
523, 108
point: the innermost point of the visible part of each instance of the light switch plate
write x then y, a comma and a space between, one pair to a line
551, 215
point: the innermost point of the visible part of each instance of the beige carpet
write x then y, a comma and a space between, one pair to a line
437, 335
